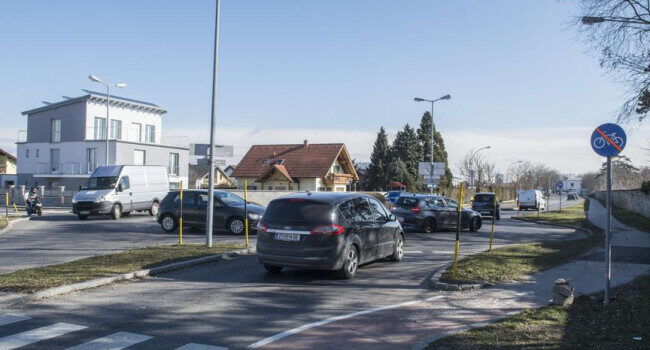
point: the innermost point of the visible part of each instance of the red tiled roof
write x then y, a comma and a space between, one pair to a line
299, 160
279, 168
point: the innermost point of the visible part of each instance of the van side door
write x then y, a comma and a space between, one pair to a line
124, 194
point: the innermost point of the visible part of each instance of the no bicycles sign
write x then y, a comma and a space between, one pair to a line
608, 140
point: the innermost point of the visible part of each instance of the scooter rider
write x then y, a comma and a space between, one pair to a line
30, 200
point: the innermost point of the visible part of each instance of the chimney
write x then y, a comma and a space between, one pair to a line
305, 143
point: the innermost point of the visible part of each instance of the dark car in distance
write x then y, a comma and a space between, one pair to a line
327, 231
483, 203
228, 211
431, 213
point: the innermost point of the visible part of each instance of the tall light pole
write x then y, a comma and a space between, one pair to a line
417, 99
108, 97
471, 161
508, 169
213, 117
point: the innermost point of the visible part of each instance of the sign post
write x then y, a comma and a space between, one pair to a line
180, 221
246, 210
608, 140
560, 184
494, 216
457, 246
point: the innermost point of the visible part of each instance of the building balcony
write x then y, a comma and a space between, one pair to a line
338, 179
70, 169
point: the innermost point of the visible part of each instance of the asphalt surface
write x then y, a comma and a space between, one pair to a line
59, 236
236, 303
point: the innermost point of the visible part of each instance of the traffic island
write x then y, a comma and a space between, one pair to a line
47, 281
586, 324
6, 223
514, 263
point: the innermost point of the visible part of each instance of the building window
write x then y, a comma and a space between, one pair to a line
91, 160
55, 130
116, 129
37, 153
27, 153
99, 129
173, 164
150, 134
139, 157
136, 132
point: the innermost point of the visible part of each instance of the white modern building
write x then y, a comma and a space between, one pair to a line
66, 141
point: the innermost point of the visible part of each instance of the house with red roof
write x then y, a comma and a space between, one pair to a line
296, 167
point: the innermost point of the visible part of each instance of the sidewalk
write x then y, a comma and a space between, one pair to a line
416, 324
622, 236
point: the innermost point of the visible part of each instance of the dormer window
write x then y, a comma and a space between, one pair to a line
279, 162
265, 161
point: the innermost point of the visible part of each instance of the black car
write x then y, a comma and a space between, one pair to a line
432, 213
483, 203
228, 211
327, 231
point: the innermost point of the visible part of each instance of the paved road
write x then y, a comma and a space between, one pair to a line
235, 303
59, 236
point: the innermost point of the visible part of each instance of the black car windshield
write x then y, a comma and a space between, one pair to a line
100, 183
298, 212
484, 198
228, 198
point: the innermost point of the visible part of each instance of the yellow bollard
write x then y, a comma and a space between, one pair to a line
6, 204
494, 214
246, 210
180, 221
460, 211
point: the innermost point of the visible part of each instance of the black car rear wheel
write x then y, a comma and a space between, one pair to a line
429, 225
236, 226
168, 223
474, 224
350, 262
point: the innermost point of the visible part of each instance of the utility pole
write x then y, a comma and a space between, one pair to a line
417, 99
213, 117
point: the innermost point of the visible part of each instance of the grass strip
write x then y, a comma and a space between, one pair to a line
516, 262
586, 324
4, 220
630, 218
39, 278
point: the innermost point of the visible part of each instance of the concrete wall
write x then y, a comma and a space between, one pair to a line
261, 197
632, 200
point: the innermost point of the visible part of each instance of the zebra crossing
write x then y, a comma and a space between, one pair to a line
114, 341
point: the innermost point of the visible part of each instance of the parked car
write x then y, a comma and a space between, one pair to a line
393, 195
531, 199
327, 231
118, 190
483, 203
432, 213
228, 211
572, 195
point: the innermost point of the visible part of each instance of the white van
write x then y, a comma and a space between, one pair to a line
120, 189
531, 199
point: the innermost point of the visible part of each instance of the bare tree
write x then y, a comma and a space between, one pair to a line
484, 170
535, 176
619, 29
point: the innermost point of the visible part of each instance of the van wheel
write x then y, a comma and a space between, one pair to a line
398, 254
168, 223
153, 211
116, 212
273, 269
236, 226
350, 262
83, 217
474, 225
429, 225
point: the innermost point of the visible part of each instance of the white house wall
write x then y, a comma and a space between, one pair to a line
127, 116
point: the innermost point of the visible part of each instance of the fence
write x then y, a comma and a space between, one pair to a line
632, 200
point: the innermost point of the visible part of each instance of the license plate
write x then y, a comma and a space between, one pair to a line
289, 237
84, 212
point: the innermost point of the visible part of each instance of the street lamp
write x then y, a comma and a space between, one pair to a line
418, 99
108, 96
471, 162
508, 169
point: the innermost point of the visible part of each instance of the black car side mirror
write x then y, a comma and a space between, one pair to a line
392, 217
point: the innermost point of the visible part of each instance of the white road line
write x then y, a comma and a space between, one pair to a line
12, 318
413, 252
193, 346
441, 252
38, 334
279, 336
115, 341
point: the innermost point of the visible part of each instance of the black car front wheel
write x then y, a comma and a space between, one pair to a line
398, 253
429, 225
474, 224
168, 223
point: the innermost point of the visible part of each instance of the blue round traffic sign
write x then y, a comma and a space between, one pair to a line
608, 140
560, 184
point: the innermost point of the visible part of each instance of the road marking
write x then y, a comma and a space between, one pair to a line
38, 334
441, 252
12, 318
279, 336
413, 252
193, 346
115, 341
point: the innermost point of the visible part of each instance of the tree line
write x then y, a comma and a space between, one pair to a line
399, 161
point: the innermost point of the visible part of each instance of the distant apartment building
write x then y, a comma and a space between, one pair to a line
296, 167
7, 169
66, 140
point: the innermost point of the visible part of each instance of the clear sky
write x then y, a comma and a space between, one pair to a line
330, 71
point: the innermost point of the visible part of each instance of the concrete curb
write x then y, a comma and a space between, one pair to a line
11, 223
50, 292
